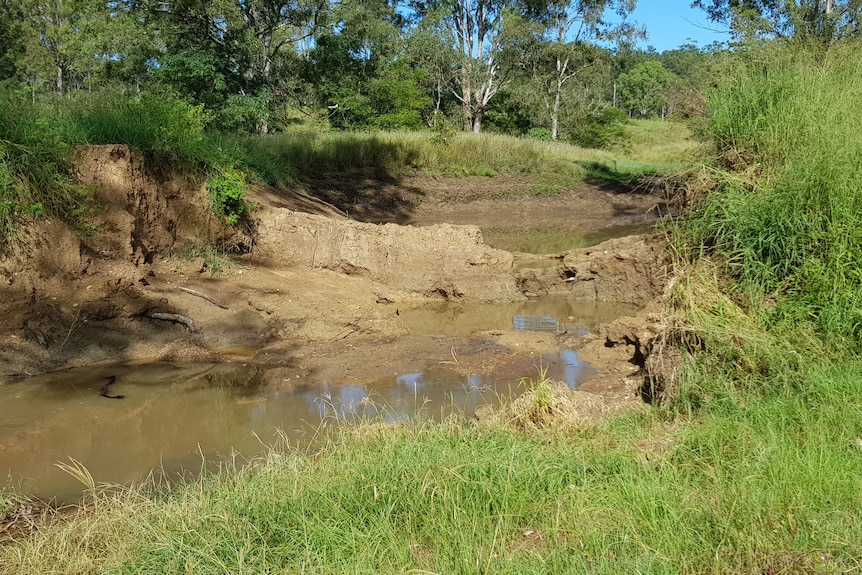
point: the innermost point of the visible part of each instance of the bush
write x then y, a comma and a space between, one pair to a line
541, 134
227, 191
599, 129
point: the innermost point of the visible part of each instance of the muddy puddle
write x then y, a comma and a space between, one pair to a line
554, 314
174, 417
555, 240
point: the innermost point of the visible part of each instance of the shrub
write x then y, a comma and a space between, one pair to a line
227, 191
541, 134
599, 129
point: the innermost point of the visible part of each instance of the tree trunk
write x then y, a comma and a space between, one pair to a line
555, 112
466, 97
477, 119
59, 80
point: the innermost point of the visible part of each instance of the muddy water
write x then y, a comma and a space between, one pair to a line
555, 240
173, 417
556, 314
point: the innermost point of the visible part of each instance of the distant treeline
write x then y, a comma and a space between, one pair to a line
558, 70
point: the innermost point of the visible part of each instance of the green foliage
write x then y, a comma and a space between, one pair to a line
541, 134
34, 168
824, 22
227, 191
443, 129
788, 228
600, 129
241, 113
161, 126
643, 90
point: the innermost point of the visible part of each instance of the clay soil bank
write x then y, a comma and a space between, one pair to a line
316, 287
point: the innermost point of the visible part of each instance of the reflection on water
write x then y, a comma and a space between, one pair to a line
555, 314
173, 415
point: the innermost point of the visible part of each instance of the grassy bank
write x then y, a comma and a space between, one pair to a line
770, 488
784, 226
35, 139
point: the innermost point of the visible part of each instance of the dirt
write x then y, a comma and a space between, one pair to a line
311, 288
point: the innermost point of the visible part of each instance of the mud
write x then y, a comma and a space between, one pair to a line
307, 293
306, 277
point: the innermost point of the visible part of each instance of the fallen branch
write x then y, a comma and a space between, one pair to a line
206, 297
174, 317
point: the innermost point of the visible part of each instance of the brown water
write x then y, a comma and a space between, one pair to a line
174, 417
556, 240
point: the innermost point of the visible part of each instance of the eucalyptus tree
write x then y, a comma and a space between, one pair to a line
215, 50
53, 38
643, 90
475, 28
824, 20
561, 44
362, 70
431, 45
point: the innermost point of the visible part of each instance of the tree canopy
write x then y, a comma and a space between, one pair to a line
262, 65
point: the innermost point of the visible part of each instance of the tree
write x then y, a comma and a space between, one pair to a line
824, 20
234, 46
476, 28
54, 29
643, 90
11, 38
560, 48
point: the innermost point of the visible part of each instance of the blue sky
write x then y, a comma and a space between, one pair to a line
671, 23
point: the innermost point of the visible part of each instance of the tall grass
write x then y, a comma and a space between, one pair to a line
770, 488
35, 171
787, 227
167, 129
280, 158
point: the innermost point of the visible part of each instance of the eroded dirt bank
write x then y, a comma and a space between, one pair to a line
313, 291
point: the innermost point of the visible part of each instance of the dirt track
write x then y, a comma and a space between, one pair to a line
313, 289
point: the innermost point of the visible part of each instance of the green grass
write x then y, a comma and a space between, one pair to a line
35, 170
662, 142
281, 158
770, 487
784, 226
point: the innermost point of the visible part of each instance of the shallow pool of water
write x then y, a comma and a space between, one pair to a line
555, 240
173, 417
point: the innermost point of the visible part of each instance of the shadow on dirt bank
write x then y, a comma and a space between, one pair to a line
387, 199
610, 179
353, 174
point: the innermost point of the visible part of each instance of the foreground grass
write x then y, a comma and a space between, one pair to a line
771, 487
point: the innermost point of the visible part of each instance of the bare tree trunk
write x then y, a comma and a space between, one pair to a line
477, 119
467, 98
59, 80
555, 112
